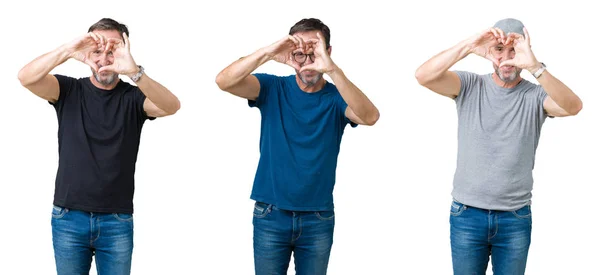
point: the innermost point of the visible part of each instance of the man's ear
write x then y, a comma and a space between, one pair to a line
329, 50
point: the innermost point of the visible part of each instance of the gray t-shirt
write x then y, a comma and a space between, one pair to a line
498, 133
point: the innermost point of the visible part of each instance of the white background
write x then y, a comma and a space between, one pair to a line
193, 214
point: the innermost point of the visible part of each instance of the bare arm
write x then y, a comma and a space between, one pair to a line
159, 100
36, 76
434, 74
561, 100
360, 109
237, 79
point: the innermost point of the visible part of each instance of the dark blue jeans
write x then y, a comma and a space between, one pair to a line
475, 234
278, 233
78, 235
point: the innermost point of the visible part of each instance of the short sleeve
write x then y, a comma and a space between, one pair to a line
540, 97
342, 105
140, 98
266, 81
66, 86
467, 82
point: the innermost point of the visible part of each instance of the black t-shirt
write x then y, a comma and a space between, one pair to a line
98, 140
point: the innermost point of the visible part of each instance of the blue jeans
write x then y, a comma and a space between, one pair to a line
278, 233
78, 235
475, 234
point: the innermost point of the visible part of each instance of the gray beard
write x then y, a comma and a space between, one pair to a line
510, 78
315, 80
108, 80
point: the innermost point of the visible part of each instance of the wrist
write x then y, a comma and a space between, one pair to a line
333, 71
539, 71
66, 52
466, 47
135, 77
535, 67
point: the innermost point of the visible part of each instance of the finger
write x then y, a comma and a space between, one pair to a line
90, 63
108, 68
94, 37
101, 40
300, 43
113, 42
509, 40
516, 36
498, 33
294, 65
320, 37
509, 62
109, 45
126, 40
527, 38
494, 60
308, 67
294, 40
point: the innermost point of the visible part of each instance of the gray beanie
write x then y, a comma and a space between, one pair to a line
509, 25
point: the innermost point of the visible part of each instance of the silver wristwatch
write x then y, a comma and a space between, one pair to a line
539, 72
136, 77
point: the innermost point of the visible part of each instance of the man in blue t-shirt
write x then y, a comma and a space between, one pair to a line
303, 119
500, 118
100, 121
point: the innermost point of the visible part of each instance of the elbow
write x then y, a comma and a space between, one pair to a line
372, 119
176, 105
421, 77
221, 82
576, 109
23, 78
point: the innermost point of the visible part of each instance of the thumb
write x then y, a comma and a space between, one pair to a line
510, 62
294, 65
90, 63
494, 60
106, 68
308, 67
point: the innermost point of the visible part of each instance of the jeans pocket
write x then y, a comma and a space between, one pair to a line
122, 217
261, 209
325, 215
59, 212
457, 208
523, 213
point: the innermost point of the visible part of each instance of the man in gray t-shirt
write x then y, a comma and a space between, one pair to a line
500, 117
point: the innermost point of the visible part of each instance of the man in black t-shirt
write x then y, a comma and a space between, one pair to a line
100, 120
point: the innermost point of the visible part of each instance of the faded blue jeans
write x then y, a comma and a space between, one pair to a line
278, 233
475, 234
79, 235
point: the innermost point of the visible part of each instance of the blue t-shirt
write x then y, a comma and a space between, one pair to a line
299, 144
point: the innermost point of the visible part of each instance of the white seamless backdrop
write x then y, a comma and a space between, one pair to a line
195, 169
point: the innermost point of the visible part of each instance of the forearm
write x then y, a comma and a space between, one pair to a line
236, 72
37, 69
560, 93
435, 67
357, 101
158, 94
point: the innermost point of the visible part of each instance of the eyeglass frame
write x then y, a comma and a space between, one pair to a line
311, 56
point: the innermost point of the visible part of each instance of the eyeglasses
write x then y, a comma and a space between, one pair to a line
301, 57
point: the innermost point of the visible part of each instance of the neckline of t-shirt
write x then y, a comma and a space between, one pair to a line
521, 83
88, 81
297, 88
